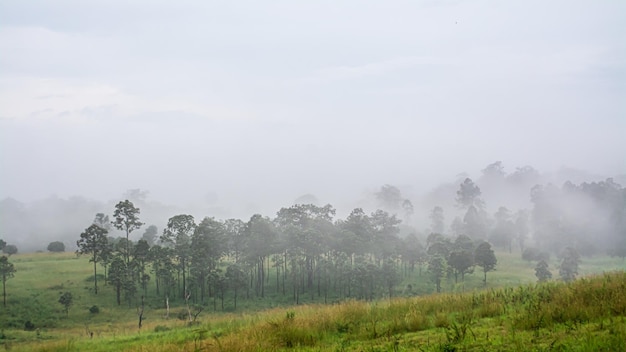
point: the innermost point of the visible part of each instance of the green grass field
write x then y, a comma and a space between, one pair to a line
586, 315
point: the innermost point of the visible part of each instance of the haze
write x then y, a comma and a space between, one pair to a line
242, 107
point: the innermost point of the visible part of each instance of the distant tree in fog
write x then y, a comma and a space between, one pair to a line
177, 234
126, 219
436, 270
437, 220
407, 206
103, 221
10, 249
389, 197
494, 171
503, 233
475, 223
542, 272
569, 264
150, 234
457, 227
2, 244
468, 195
521, 228
56, 246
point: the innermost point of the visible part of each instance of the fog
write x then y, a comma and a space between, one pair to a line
232, 109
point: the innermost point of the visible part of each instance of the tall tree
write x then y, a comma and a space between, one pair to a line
150, 234
7, 271
437, 220
208, 245
503, 233
93, 241
178, 234
436, 270
408, 208
127, 219
569, 264
485, 258
389, 197
468, 195
542, 272
118, 277
66, 300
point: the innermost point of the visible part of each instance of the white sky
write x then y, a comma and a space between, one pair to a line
263, 101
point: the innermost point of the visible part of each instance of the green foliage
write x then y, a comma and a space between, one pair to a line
7, 271
10, 249
66, 300
542, 272
485, 258
569, 264
93, 241
56, 246
94, 309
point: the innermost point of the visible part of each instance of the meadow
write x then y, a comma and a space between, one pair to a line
511, 313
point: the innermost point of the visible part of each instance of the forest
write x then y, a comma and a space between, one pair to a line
305, 252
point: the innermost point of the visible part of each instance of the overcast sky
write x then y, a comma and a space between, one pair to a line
210, 100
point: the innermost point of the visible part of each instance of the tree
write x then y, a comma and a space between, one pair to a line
127, 219
485, 258
102, 221
437, 220
468, 195
408, 208
461, 257
569, 264
93, 241
66, 300
542, 272
10, 249
118, 277
436, 270
236, 280
6, 272
56, 246
178, 234
521, 228
2, 244
208, 245
503, 234
389, 197
150, 234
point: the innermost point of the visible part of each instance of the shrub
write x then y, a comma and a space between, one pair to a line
94, 309
10, 249
29, 326
56, 246
161, 328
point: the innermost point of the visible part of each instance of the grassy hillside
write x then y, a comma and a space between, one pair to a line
588, 314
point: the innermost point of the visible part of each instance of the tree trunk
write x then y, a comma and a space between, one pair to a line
4, 291
95, 276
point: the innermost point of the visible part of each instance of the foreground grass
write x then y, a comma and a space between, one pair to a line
586, 315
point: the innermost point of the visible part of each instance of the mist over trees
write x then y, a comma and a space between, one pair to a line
309, 251
515, 210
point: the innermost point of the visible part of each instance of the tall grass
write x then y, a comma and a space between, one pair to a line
587, 314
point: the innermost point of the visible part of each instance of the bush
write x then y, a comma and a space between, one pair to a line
10, 249
29, 326
56, 246
161, 328
94, 309
534, 254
